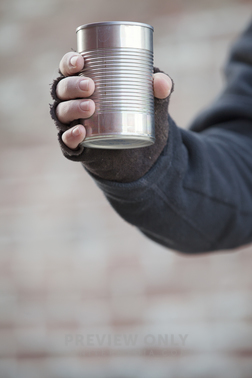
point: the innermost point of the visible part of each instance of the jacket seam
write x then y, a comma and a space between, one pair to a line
231, 205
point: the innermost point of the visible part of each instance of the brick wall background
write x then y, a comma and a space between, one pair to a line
82, 293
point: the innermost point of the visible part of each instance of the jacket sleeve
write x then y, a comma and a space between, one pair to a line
198, 195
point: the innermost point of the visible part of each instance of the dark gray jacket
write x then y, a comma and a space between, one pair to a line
198, 195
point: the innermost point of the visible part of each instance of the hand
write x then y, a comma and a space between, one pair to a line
71, 103
73, 87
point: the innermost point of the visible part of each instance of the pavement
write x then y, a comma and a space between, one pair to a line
83, 293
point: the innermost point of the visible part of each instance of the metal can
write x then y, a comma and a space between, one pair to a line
119, 58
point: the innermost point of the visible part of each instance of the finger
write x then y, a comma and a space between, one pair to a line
162, 85
74, 136
75, 87
71, 63
68, 111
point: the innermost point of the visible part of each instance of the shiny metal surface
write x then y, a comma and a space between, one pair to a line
114, 35
119, 58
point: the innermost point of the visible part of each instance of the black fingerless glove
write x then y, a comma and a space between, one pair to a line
117, 165
62, 127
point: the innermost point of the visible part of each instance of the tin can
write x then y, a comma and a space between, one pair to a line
119, 58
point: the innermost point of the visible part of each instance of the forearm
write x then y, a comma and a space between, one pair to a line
193, 199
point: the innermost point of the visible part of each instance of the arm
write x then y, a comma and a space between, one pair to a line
194, 195
198, 195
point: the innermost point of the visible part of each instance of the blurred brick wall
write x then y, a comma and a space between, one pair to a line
69, 266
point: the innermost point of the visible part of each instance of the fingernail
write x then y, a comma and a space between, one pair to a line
84, 85
76, 131
84, 105
169, 81
73, 60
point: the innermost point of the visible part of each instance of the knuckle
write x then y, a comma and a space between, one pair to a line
66, 87
62, 111
59, 112
65, 67
63, 64
69, 110
60, 90
65, 137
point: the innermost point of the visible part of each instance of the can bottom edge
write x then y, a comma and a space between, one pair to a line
118, 142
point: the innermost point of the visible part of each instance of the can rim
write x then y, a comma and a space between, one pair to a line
104, 23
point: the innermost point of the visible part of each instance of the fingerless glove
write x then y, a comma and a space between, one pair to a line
116, 165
